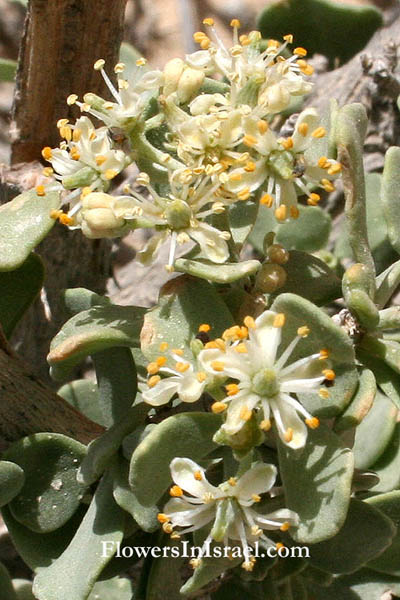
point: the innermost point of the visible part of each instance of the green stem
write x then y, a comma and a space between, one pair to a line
152, 161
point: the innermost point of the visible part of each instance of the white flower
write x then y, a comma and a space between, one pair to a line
178, 216
284, 165
263, 78
263, 381
184, 380
229, 507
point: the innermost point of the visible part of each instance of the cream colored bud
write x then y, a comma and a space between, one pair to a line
276, 98
172, 73
97, 200
189, 83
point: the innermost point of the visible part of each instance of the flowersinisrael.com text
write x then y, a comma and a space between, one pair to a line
184, 550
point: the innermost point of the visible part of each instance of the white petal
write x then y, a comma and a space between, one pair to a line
190, 388
311, 118
184, 514
234, 422
162, 392
191, 478
257, 480
212, 245
266, 337
286, 418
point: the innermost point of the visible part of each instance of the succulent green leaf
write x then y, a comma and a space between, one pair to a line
389, 561
385, 377
360, 404
386, 350
165, 573
184, 304
387, 468
317, 281
73, 574
355, 544
91, 331
117, 382
391, 195
381, 248
6, 586
236, 589
285, 568
226, 273
19, 289
117, 588
317, 484
350, 131
323, 334
77, 300
362, 308
8, 68
185, 434
374, 432
11, 481
101, 450
209, 569
40, 549
145, 516
24, 222
310, 232
242, 216
323, 26
365, 584
389, 318
50, 494
386, 284
83, 394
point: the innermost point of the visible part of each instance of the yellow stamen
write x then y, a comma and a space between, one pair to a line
303, 331
201, 376
75, 154
329, 374
86, 191
163, 518
40, 191
256, 498
285, 526
72, 98
245, 413
249, 140
334, 169
262, 126
313, 199
320, 132
110, 174
265, 425
161, 360
209, 21
244, 40
65, 219
153, 380
300, 51
195, 563
235, 176
199, 36
273, 44
327, 185
152, 368
323, 162
266, 200
312, 423
176, 491
288, 38
288, 436
46, 153
241, 348
279, 546
235, 23
99, 64
250, 166
163, 346
205, 327
205, 43
287, 143
323, 393
232, 389
244, 194
119, 67
217, 365
281, 212
177, 351
48, 171
167, 528
249, 322
76, 135
198, 475
182, 367
324, 354
303, 129
55, 214
141, 62
218, 407
232, 481
279, 320
100, 159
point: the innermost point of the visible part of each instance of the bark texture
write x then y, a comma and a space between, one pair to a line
61, 41
28, 406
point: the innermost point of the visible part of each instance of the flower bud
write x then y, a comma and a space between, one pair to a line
277, 254
270, 278
97, 217
189, 84
276, 98
172, 73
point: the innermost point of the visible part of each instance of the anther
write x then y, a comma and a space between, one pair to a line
198, 475
205, 327
99, 64
279, 320
152, 381
288, 435
245, 413
320, 132
176, 491
40, 191
218, 407
303, 331
249, 322
217, 365
265, 425
312, 423
281, 212
329, 374
303, 129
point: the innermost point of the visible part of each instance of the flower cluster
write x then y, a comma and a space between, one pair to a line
212, 113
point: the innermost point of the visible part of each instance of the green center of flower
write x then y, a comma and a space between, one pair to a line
178, 214
265, 383
281, 162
